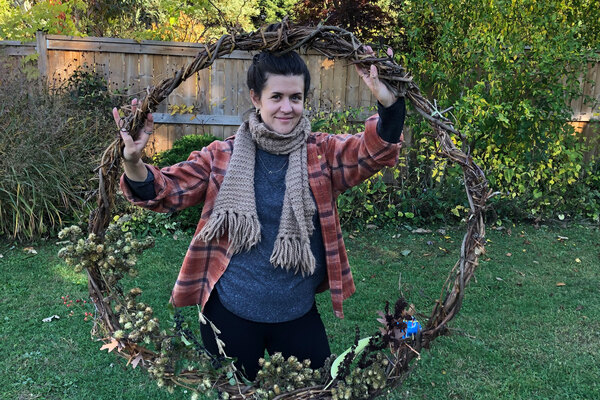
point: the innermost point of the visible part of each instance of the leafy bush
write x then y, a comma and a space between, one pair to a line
181, 149
184, 220
88, 89
510, 85
49, 147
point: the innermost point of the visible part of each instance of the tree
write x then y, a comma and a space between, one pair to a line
364, 18
191, 20
509, 69
22, 21
273, 10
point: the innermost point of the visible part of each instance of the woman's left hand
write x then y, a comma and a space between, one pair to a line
371, 78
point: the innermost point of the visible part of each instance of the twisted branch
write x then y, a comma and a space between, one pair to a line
333, 42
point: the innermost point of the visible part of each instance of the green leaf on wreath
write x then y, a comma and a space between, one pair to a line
362, 343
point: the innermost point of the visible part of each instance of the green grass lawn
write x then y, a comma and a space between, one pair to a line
529, 327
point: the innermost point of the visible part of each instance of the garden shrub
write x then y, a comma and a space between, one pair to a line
187, 219
510, 84
181, 149
49, 147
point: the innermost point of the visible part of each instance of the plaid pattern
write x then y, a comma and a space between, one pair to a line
335, 163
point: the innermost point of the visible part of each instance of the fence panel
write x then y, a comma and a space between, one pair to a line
219, 94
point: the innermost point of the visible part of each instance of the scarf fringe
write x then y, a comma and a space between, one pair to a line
289, 253
243, 230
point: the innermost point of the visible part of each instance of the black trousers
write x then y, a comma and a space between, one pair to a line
247, 341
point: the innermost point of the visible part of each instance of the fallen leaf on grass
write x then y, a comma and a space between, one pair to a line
114, 343
51, 318
579, 308
30, 250
562, 238
561, 284
577, 260
406, 252
420, 230
508, 254
499, 279
134, 360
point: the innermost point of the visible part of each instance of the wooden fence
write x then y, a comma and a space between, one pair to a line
218, 94
586, 117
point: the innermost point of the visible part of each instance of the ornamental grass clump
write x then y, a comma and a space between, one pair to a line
49, 148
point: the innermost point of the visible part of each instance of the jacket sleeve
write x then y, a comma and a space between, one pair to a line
354, 158
176, 187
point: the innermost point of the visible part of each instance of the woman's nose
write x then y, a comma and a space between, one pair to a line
286, 105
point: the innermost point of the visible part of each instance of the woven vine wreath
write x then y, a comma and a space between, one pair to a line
107, 254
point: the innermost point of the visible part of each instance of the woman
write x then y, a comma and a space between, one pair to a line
269, 237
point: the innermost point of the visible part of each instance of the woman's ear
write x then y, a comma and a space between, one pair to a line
255, 98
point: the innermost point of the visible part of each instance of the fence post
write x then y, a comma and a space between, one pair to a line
42, 50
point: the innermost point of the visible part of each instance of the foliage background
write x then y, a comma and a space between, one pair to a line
508, 68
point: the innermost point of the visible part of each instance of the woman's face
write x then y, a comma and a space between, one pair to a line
281, 102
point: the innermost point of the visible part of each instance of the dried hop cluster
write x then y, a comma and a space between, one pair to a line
361, 382
136, 320
279, 375
116, 255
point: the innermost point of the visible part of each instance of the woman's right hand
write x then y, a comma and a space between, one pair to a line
132, 152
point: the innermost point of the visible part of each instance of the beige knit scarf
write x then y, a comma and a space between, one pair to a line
235, 207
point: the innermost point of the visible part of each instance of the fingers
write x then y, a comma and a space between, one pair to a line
370, 76
117, 117
373, 72
149, 124
148, 127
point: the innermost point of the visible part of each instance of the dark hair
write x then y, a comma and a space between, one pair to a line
266, 62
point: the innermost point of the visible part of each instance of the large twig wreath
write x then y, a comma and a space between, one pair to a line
128, 325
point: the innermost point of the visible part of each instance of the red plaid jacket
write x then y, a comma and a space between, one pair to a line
335, 163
